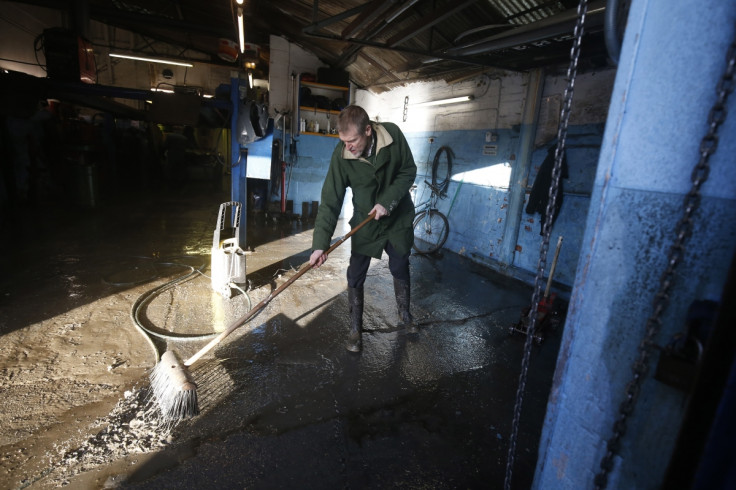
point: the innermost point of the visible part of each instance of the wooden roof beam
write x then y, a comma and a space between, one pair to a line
374, 9
335, 18
427, 22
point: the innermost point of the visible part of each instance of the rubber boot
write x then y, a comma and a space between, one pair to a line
355, 306
402, 290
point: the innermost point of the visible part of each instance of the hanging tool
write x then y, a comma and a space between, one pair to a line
172, 386
545, 307
548, 301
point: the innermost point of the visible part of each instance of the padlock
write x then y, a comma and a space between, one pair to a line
679, 361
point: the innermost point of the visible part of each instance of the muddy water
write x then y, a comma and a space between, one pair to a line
284, 404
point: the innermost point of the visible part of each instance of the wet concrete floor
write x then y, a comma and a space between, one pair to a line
284, 404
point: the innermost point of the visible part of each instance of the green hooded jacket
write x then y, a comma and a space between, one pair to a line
383, 178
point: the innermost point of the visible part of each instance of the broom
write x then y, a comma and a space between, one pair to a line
172, 386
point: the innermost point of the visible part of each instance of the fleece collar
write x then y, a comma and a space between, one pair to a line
383, 139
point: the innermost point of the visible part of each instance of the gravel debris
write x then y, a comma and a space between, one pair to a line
134, 426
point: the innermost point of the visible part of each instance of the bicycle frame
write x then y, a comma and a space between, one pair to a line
430, 203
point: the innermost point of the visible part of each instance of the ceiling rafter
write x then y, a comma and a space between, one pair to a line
379, 65
549, 27
427, 22
375, 9
417, 38
316, 25
419, 52
373, 30
381, 23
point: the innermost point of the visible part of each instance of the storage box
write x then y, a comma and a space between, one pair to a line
333, 76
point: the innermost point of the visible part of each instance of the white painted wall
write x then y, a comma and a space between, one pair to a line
498, 101
591, 98
287, 60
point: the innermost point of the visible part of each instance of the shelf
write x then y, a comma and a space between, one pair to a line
327, 93
317, 110
325, 85
320, 134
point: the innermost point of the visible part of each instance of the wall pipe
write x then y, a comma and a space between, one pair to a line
557, 25
283, 187
520, 171
611, 32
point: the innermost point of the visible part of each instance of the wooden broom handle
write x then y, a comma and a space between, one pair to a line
243, 319
554, 266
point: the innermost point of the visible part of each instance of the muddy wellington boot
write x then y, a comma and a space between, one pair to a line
402, 290
355, 306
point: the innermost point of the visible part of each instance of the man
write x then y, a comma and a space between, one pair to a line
376, 162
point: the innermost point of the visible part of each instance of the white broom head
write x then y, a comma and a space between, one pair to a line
173, 389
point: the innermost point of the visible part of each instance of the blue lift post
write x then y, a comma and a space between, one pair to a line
238, 161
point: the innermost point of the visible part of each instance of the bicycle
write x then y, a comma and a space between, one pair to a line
431, 227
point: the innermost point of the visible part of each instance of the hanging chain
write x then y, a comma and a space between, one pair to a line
683, 230
544, 248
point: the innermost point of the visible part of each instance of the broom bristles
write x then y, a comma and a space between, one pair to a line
173, 390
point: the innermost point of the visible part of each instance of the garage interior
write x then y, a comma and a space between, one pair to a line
599, 353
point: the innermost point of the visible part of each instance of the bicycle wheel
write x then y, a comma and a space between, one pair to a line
430, 231
442, 170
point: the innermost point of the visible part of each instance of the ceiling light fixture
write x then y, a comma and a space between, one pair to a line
151, 60
241, 30
453, 100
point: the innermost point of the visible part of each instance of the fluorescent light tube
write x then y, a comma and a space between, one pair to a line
241, 30
453, 100
151, 60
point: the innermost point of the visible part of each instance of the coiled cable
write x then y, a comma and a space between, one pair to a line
147, 297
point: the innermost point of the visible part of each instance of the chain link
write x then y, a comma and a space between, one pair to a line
683, 230
546, 229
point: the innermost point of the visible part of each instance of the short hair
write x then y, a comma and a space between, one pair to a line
352, 115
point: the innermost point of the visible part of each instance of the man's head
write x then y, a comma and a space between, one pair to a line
354, 128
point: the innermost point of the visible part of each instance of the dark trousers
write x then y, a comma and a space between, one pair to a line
398, 265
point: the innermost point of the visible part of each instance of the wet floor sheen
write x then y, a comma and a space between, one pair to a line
284, 404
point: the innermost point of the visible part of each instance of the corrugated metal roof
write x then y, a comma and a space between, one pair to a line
521, 12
